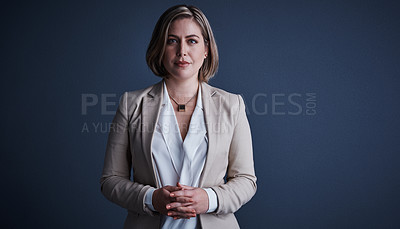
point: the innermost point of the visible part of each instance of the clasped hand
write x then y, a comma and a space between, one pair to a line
180, 201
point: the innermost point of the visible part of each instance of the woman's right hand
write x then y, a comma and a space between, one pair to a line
161, 200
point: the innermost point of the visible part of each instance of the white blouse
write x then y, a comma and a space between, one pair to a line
177, 160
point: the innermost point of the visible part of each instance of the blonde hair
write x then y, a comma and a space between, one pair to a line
156, 48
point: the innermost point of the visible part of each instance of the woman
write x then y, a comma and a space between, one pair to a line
180, 137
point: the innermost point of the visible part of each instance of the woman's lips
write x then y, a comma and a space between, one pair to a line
182, 63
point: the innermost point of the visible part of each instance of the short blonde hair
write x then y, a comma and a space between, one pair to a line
156, 48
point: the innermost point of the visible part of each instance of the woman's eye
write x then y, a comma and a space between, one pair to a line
170, 41
191, 41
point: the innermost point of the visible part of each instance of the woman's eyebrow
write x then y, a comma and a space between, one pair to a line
188, 36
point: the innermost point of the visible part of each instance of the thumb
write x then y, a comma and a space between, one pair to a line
184, 186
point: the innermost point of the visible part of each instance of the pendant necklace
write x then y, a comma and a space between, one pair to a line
181, 107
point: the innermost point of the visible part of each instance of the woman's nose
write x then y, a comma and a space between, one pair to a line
182, 51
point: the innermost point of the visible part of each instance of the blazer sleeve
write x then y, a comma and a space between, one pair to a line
241, 180
116, 184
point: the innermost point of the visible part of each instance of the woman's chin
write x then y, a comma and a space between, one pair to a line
182, 77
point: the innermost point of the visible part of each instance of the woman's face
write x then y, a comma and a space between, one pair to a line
185, 49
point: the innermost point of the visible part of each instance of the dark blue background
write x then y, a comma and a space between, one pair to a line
338, 168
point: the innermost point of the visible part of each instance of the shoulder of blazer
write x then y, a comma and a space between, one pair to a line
132, 100
152, 91
225, 100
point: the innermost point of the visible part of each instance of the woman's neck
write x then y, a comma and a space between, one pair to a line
182, 89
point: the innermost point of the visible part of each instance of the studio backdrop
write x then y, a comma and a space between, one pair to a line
320, 80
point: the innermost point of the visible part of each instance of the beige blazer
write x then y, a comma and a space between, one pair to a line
229, 153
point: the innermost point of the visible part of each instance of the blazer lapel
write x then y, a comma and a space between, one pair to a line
150, 113
211, 104
170, 132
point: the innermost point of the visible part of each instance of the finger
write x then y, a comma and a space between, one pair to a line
182, 212
175, 205
181, 193
184, 186
172, 188
182, 199
179, 215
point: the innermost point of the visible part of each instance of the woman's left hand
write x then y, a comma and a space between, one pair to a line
198, 196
